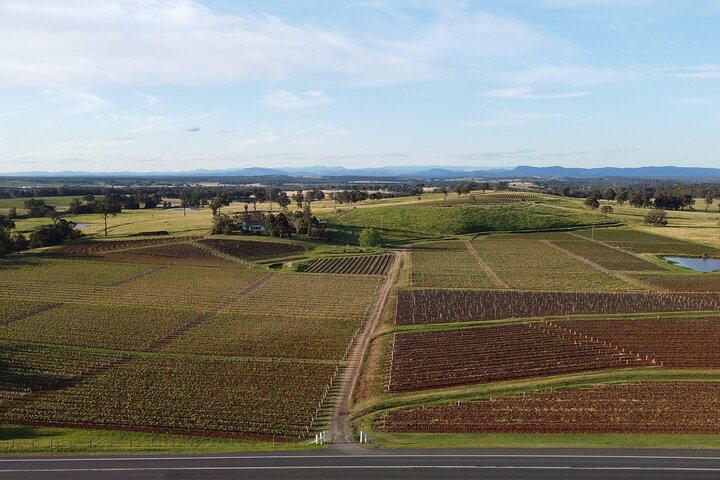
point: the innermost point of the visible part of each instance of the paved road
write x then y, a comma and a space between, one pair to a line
350, 464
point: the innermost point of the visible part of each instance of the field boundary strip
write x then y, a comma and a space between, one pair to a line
605, 244
138, 276
620, 276
485, 267
187, 327
30, 314
218, 253
580, 337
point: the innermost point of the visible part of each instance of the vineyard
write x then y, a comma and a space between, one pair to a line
287, 326
421, 361
365, 265
189, 395
650, 407
172, 254
173, 338
487, 199
683, 343
447, 265
684, 283
252, 250
608, 257
442, 306
93, 248
527, 264
643, 242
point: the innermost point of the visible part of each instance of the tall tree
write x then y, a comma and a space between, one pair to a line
106, 206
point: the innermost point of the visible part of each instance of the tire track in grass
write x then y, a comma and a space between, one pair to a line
499, 282
620, 276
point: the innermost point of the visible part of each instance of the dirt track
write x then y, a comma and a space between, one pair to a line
340, 428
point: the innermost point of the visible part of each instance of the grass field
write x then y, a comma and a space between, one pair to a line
412, 222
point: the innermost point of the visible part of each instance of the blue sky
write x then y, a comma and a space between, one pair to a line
152, 85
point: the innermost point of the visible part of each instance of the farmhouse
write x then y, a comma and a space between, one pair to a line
254, 226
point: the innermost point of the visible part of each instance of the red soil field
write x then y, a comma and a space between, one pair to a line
648, 407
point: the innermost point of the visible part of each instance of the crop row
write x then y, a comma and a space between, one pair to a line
252, 250
535, 265
276, 336
172, 254
642, 242
31, 367
685, 343
208, 396
361, 265
441, 306
92, 248
446, 265
684, 283
72, 272
651, 407
610, 258
460, 357
117, 327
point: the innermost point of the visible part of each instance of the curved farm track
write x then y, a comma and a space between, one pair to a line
340, 428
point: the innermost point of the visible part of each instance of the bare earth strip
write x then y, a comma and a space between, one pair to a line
340, 429
485, 267
625, 278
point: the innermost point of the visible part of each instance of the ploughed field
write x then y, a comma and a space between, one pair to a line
360, 265
647, 407
173, 337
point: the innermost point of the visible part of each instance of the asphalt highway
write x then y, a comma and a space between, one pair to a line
355, 463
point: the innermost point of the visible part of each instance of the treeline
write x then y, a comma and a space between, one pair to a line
42, 236
661, 195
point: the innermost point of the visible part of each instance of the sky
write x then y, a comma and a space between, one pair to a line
172, 85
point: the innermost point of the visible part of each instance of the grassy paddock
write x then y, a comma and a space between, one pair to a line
568, 440
40, 440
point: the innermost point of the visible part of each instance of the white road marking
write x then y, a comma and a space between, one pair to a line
365, 467
379, 456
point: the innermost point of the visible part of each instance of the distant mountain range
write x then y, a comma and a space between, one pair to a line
410, 172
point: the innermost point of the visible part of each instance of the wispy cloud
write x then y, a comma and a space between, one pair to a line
285, 100
186, 42
193, 129
526, 93
511, 119
77, 101
150, 100
697, 72
565, 75
267, 137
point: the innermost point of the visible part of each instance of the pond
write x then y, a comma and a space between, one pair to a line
82, 225
705, 265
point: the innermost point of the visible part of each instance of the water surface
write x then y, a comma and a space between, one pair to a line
704, 265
